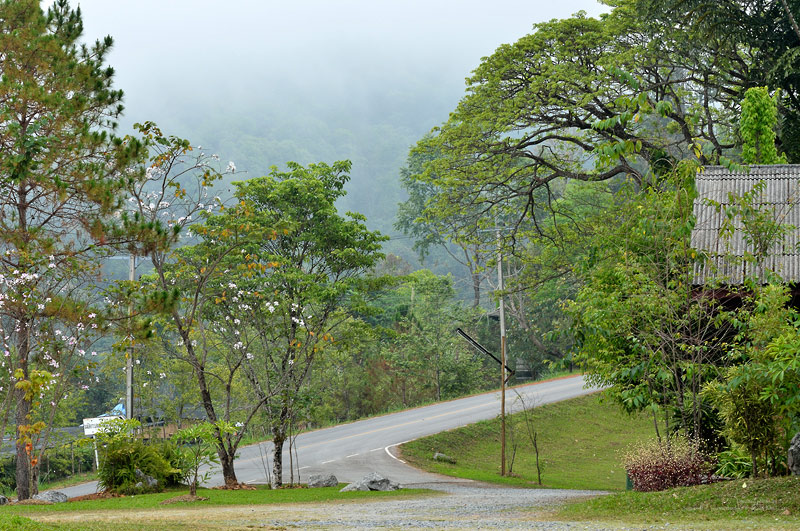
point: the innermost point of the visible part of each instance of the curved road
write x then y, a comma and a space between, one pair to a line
352, 450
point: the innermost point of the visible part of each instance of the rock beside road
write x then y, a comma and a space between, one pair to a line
52, 496
3, 500
322, 480
438, 456
372, 481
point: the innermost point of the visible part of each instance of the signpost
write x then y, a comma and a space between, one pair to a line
92, 425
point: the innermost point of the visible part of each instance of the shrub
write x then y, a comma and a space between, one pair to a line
125, 460
734, 463
176, 458
657, 465
198, 446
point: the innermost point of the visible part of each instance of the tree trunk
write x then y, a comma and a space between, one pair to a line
228, 472
23, 463
23, 459
278, 438
35, 470
225, 459
476, 289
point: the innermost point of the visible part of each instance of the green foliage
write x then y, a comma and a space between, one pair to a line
761, 36
757, 128
756, 398
639, 327
125, 459
734, 463
295, 284
425, 359
198, 448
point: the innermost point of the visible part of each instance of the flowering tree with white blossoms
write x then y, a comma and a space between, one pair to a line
168, 205
291, 289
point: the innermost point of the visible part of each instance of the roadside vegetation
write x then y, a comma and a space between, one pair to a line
580, 444
772, 503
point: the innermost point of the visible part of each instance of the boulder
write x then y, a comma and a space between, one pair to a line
52, 496
145, 480
372, 481
375, 481
354, 486
438, 456
322, 480
3, 500
793, 459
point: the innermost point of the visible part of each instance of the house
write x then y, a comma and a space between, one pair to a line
777, 194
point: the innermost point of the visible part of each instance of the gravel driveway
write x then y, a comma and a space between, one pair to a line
464, 505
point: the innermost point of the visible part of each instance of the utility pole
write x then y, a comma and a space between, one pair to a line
500, 287
129, 353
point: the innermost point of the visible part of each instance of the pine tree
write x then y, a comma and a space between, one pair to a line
61, 171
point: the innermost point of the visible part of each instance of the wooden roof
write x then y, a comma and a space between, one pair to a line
780, 195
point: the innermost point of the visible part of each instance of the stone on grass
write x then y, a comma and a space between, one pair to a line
354, 486
52, 496
438, 456
793, 460
322, 480
145, 480
3, 500
372, 481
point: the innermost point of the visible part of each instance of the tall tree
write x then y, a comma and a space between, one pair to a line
530, 117
164, 207
60, 174
764, 33
306, 274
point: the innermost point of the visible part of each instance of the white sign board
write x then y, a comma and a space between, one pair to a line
92, 426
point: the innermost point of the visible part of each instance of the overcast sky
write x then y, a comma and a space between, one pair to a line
195, 53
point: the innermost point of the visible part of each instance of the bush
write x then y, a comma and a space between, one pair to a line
176, 458
656, 465
125, 460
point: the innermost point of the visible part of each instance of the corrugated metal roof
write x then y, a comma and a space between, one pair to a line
780, 195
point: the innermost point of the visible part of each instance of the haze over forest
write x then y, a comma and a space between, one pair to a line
265, 82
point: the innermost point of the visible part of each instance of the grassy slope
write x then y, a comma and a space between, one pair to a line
579, 443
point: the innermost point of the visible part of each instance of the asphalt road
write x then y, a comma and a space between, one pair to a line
353, 450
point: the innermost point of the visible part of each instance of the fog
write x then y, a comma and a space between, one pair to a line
263, 82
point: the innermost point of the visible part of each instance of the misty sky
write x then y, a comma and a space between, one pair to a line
209, 54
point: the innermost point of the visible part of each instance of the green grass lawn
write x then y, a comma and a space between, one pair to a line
579, 446
16, 517
216, 497
754, 504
